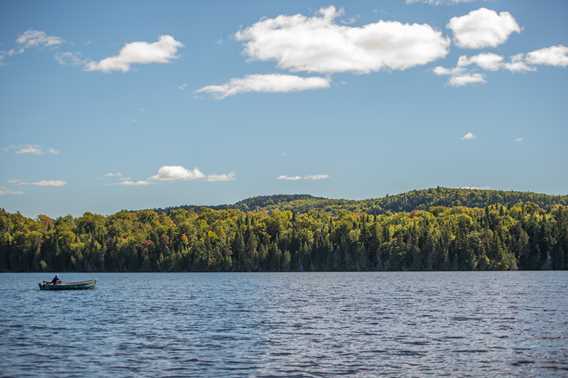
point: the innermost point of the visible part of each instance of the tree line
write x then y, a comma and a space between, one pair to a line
422, 199
523, 236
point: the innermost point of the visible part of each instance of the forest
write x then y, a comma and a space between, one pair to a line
432, 229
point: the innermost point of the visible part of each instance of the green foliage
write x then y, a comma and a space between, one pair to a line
434, 229
414, 200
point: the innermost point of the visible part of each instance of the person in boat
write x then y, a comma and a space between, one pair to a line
55, 280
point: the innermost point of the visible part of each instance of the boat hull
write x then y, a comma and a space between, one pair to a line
79, 285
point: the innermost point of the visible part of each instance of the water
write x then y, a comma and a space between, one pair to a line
304, 324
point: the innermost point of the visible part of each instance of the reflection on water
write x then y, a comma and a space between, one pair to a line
308, 324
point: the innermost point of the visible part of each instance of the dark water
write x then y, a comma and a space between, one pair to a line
305, 324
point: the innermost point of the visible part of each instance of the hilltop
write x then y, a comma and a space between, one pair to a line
421, 199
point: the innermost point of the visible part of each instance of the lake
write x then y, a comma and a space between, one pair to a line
283, 324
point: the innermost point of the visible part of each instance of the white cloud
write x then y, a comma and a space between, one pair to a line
32, 149
30, 39
11, 52
221, 177
556, 56
35, 38
486, 61
177, 173
162, 51
274, 83
463, 73
443, 71
549, 56
171, 173
134, 183
519, 139
125, 180
113, 174
41, 183
29, 149
182, 87
319, 44
518, 64
466, 79
8, 192
289, 178
468, 136
483, 28
316, 177
494, 62
49, 183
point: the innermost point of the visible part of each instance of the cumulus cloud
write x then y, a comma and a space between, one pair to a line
467, 79
274, 83
32, 149
483, 28
495, 62
177, 173
162, 51
316, 177
443, 71
549, 56
468, 136
319, 44
486, 61
180, 173
464, 71
518, 64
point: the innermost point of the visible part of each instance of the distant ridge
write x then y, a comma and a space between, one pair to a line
420, 199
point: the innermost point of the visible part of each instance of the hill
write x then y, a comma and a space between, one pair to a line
422, 199
453, 229
273, 201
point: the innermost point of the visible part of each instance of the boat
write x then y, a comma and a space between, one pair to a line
63, 285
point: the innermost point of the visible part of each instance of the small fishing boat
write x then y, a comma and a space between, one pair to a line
77, 285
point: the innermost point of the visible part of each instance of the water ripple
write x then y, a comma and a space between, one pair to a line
304, 325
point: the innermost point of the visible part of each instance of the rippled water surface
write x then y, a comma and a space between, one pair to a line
304, 324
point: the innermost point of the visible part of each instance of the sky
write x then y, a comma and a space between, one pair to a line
144, 104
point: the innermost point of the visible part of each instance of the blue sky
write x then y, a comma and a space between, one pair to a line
137, 104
